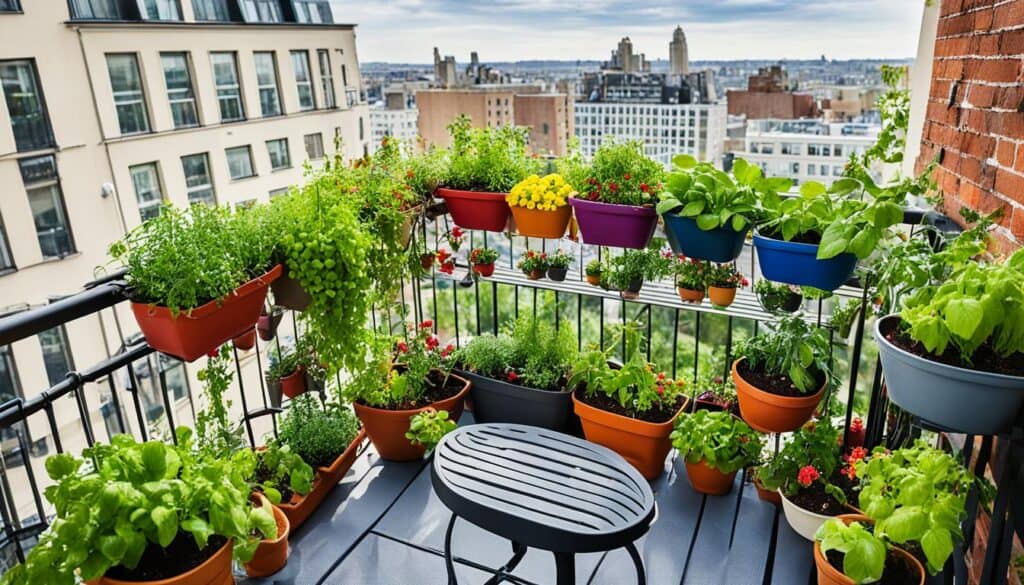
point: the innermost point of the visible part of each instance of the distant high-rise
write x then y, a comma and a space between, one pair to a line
625, 55
678, 54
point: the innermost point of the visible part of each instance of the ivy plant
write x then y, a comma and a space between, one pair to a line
719, 439
863, 552
427, 428
793, 348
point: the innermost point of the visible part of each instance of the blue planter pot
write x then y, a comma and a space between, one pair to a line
795, 263
717, 245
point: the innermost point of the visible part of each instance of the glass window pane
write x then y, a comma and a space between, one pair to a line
280, 158
129, 99
313, 11
146, 179
9, 6
266, 80
261, 10
25, 104
229, 94
6, 261
161, 10
47, 204
240, 162
179, 89
198, 184
326, 79
9, 388
96, 9
56, 354
314, 146
303, 80
216, 10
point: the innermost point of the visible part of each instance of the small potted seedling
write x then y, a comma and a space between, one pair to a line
593, 272
534, 264
723, 281
691, 279
715, 446
558, 265
482, 260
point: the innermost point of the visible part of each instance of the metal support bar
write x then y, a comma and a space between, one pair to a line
18, 326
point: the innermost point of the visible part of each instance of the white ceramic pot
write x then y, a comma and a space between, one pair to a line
801, 521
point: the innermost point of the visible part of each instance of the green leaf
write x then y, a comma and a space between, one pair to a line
963, 316
845, 186
937, 544
693, 208
154, 459
113, 547
812, 189
263, 519
707, 221
667, 205
904, 524
864, 242
61, 465
166, 521
833, 241
684, 161
738, 223
865, 560
272, 494
887, 214
200, 529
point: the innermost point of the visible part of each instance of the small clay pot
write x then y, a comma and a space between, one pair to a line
707, 480
426, 261
535, 274
271, 554
594, 279
245, 341
689, 295
484, 270
721, 296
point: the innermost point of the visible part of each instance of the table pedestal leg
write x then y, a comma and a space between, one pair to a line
448, 563
565, 568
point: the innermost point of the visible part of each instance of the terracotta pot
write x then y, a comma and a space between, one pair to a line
707, 480
215, 570
266, 325
427, 260
387, 428
644, 444
771, 413
829, 575
294, 384
245, 341
721, 296
484, 270
192, 334
288, 293
271, 554
476, 210
689, 295
299, 508
594, 279
536, 223
766, 495
535, 274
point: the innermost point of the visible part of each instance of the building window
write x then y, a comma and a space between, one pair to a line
826, 150
261, 10
178, 77
245, 204
169, 374
9, 386
25, 105
303, 80
198, 184
47, 203
129, 99
240, 162
266, 81
9, 6
96, 9
313, 11
161, 10
314, 146
278, 192
811, 169
794, 168
146, 180
6, 260
211, 10
279, 155
837, 150
326, 79
229, 91
56, 354
813, 150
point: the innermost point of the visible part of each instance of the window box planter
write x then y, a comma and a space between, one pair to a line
215, 570
796, 263
689, 295
299, 508
288, 293
721, 296
476, 210
773, 413
195, 333
536, 223
495, 401
644, 444
386, 428
621, 226
830, 575
271, 555
708, 480
718, 245
958, 399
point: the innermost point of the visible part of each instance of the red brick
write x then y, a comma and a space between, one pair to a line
1010, 184
1009, 14
983, 19
978, 146
1019, 162
950, 182
950, 69
1009, 124
951, 7
1005, 152
981, 96
1002, 246
970, 169
970, 195
960, 24
1017, 223
998, 70
1010, 98
1012, 42
975, 120
951, 161
989, 203
987, 45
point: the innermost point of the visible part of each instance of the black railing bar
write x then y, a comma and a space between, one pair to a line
455, 312
168, 404
118, 274
675, 341
241, 392
875, 427
51, 419
30, 474
858, 343
23, 324
10, 531
999, 528
121, 426
696, 346
133, 382
83, 413
270, 411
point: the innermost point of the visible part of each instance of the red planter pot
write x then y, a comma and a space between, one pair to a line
294, 384
300, 507
484, 270
195, 333
476, 210
245, 341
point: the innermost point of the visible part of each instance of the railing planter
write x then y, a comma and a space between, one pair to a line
537, 223
192, 334
484, 270
476, 210
772, 413
797, 263
299, 508
271, 554
288, 293
245, 341
557, 274
632, 292
958, 399
830, 575
721, 296
495, 401
215, 570
621, 226
294, 384
722, 244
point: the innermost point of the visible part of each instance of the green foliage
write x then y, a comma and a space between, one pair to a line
725, 276
533, 260
488, 159
633, 265
425, 170
719, 439
713, 198
531, 351
843, 315
593, 268
619, 173
863, 552
773, 295
318, 433
916, 494
793, 348
692, 274
278, 467
483, 256
286, 361
118, 499
560, 259
894, 109
816, 445
427, 428
214, 434
182, 259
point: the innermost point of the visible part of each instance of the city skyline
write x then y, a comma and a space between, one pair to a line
588, 29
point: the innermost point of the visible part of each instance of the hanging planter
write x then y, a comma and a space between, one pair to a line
797, 263
299, 508
476, 210
774, 298
540, 207
266, 325
288, 293
271, 554
535, 223
294, 384
622, 226
722, 244
245, 341
192, 334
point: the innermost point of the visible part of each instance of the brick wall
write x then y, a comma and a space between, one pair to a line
975, 115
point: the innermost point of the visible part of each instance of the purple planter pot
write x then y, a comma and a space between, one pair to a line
621, 226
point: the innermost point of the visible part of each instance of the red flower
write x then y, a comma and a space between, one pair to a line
661, 375
849, 472
427, 324
644, 187
613, 187
442, 255
808, 475
403, 347
213, 352
432, 342
457, 232
626, 176
448, 267
529, 253
447, 350
512, 377
409, 174
661, 390
857, 425
745, 281
858, 453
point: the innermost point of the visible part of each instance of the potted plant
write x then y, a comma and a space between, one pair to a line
629, 409
188, 295
723, 280
843, 316
715, 445
427, 428
775, 297
482, 261
615, 201
484, 164
691, 279
399, 380
540, 206
627, 271
245, 341
782, 375
707, 213
278, 473
954, 354
533, 264
192, 508
266, 325
558, 265
847, 551
294, 371
520, 376
714, 393
593, 272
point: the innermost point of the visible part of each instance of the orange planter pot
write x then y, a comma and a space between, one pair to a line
300, 507
644, 444
594, 279
195, 333
707, 480
829, 575
271, 554
690, 296
294, 384
245, 341
721, 296
771, 413
387, 428
766, 495
216, 570
535, 223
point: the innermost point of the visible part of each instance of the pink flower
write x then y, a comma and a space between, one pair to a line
858, 453
403, 347
807, 475
512, 377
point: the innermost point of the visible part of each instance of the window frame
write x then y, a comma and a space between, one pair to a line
65, 346
141, 95
327, 79
47, 141
189, 190
7, 263
229, 17
287, 154
144, 14
255, 5
7, 358
57, 198
261, 87
305, 143
303, 54
237, 87
189, 78
143, 209
15, 7
248, 153
302, 15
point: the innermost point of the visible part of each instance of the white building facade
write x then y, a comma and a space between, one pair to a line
400, 124
805, 150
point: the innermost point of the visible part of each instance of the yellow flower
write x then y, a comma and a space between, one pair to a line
531, 205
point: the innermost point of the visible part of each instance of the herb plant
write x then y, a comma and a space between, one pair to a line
619, 173
560, 259
214, 434
863, 552
487, 159
815, 445
533, 260
725, 276
427, 428
289, 359
318, 433
722, 441
593, 268
692, 274
278, 469
843, 315
793, 348
531, 352
773, 296
483, 256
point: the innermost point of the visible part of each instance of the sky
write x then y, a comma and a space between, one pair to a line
510, 30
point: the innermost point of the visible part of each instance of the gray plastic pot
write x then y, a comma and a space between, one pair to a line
495, 401
958, 399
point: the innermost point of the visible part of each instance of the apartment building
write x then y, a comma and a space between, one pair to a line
395, 116
109, 107
806, 150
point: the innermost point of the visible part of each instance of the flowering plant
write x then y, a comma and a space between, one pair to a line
560, 259
691, 274
619, 173
483, 256
725, 276
811, 453
545, 194
445, 261
455, 237
533, 261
